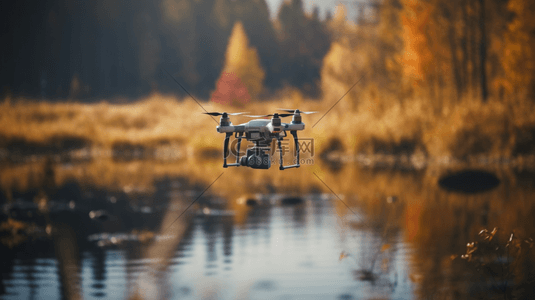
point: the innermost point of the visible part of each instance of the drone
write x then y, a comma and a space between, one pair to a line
262, 132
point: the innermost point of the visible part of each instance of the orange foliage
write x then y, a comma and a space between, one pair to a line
519, 53
417, 56
230, 90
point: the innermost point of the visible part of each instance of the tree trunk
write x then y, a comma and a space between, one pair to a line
465, 77
455, 61
473, 52
482, 52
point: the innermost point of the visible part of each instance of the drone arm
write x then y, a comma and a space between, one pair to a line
294, 127
230, 128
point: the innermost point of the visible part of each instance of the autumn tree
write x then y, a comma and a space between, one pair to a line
390, 46
345, 62
519, 49
241, 62
452, 48
418, 56
368, 53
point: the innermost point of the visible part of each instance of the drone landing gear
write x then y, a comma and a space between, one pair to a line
296, 140
239, 135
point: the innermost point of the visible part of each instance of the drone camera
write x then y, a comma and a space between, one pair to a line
256, 158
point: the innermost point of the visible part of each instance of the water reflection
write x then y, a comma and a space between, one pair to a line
98, 266
403, 242
469, 181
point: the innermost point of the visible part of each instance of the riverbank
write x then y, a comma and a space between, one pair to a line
363, 130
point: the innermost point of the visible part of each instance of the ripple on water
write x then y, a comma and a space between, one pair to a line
98, 294
266, 285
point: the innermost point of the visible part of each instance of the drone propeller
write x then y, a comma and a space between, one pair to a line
272, 115
215, 114
297, 111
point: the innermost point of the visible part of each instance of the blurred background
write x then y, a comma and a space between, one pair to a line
420, 184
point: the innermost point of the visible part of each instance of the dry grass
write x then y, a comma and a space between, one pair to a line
369, 124
152, 119
457, 130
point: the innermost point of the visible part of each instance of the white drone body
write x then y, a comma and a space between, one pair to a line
262, 132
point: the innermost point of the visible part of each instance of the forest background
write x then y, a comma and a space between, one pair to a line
434, 78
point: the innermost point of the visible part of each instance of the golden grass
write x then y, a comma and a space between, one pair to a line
457, 130
366, 125
152, 119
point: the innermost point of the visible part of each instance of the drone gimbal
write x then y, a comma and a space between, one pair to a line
261, 132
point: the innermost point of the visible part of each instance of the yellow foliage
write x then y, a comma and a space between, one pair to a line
340, 13
243, 61
519, 53
417, 55
339, 60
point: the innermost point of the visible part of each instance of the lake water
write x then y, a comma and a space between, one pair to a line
111, 230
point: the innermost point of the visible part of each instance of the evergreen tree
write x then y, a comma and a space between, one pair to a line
304, 41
